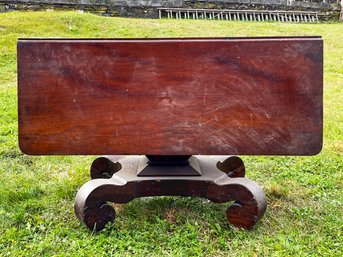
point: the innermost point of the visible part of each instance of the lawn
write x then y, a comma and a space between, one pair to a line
305, 194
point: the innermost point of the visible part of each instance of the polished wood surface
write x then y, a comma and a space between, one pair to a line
171, 96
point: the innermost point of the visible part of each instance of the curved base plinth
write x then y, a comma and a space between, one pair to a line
215, 184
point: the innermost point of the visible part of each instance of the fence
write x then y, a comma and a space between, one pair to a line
242, 15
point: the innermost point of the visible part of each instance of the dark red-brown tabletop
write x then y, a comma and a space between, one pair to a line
171, 96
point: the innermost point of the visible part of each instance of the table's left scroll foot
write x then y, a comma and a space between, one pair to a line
91, 203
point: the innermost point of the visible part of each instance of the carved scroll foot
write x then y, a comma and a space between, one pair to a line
91, 203
249, 206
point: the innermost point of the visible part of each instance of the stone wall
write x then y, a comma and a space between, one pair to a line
147, 8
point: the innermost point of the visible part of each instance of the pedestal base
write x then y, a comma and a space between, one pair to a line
115, 180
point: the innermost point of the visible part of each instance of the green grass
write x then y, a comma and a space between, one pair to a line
305, 196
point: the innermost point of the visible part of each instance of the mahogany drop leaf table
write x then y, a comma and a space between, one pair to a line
171, 115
